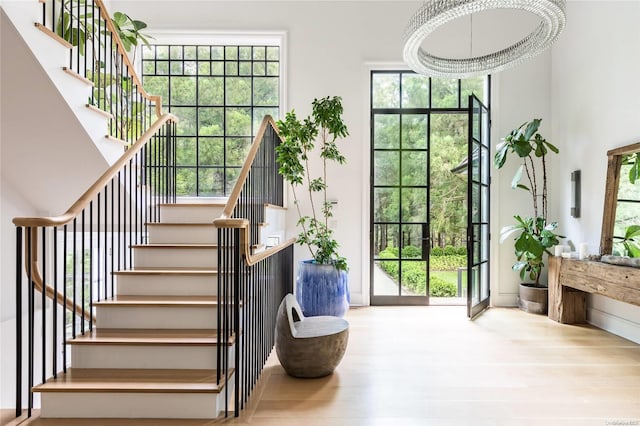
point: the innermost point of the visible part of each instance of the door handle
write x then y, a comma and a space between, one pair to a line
426, 241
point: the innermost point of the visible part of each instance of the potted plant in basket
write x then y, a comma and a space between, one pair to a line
534, 235
322, 284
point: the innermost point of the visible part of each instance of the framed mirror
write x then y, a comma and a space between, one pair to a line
621, 201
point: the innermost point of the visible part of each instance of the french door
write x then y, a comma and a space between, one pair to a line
479, 179
425, 234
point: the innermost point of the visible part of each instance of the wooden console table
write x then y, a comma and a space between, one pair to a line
570, 280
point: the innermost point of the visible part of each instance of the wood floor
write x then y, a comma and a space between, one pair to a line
431, 366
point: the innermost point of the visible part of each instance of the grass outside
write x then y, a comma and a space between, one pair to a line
449, 276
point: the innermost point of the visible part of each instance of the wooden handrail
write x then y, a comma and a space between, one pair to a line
235, 194
39, 284
125, 57
83, 201
226, 221
245, 245
73, 212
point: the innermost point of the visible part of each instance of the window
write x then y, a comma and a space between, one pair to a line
220, 93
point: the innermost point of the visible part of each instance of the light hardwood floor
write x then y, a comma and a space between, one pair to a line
431, 366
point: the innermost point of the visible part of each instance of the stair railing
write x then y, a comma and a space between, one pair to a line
97, 55
252, 280
70, 258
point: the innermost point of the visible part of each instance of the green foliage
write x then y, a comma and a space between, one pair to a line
533, 235
461, 251
437, 251
450, 251
299, 138
129, 30
441, 288
447, 263
414, 274
533, 239
411, 252
630, 244
112, 91
631, 160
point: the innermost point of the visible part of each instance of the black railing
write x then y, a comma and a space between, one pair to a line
98, 55
251, 281
70, 258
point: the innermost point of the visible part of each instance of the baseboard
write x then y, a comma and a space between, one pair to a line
504, 300
614, 324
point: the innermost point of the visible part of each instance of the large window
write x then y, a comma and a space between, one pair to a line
220, 93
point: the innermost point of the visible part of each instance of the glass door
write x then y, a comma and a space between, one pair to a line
419, 188
479, 168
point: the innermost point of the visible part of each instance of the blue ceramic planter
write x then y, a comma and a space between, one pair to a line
322, 289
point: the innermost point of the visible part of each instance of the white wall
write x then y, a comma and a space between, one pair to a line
596, 104
47, 157
330, 47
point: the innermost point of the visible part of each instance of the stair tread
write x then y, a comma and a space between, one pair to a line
175, 245
167, 271
151, 301
193, 204
133, 380
168, 224
129, 336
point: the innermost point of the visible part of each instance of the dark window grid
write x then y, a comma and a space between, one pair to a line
628, 200
417, 111
406, 111
210, 73
401, 74
398, 150
224, 105
401, 186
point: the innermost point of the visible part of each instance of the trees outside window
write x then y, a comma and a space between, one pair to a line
220, 94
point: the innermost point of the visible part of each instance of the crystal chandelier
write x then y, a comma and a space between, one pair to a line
435, 13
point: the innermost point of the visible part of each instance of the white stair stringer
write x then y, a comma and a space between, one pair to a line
53, 57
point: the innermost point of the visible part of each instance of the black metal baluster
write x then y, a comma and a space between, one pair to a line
119, 222
91, 264
54, 318
19, 321
31, 323
82, 270
43, 298
113, 250
75, 238
64, 296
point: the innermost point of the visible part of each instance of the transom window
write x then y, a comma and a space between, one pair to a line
220, 93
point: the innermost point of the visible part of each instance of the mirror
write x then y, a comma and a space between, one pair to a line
621, 212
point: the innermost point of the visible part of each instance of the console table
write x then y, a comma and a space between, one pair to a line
570, 280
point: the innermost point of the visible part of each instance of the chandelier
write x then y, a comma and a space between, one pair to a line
435, 13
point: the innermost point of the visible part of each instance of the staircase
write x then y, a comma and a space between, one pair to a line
153, 351
168, 335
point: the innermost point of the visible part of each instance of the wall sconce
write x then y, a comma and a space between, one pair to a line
575, 193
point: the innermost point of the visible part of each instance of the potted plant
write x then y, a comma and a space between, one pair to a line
322, 283
533, 235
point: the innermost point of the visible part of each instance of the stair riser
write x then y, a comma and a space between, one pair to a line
145, 257
167, 285
132, 405
156, 317
147, 356
189, 214
183, 235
